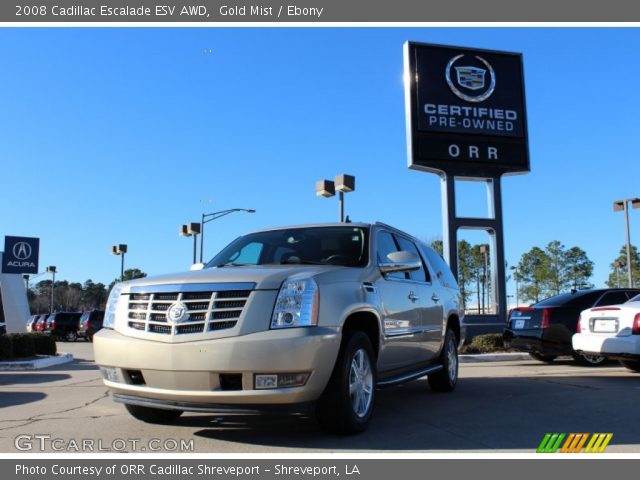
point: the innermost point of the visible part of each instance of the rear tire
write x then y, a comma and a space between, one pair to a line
153, 415
542, 358
346, 405
446, 379
70, 336
587, 360
633, 365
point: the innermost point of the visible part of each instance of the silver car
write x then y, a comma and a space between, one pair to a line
318, 315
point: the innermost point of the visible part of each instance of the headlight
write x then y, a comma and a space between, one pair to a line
297, 303
112, 303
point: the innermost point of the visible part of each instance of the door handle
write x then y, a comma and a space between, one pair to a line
435, 298
412, 296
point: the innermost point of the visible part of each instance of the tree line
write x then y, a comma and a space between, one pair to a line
541, 272
73, 296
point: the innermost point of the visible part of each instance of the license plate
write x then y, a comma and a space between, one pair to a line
518, 324
605, 326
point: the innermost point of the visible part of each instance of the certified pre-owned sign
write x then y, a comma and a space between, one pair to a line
20, 255
465, 110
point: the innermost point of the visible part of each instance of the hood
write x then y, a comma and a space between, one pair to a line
266, 277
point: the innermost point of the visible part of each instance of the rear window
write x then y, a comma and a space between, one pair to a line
634, 299
579, 300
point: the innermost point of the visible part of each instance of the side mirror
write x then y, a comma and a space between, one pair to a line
197, 266
402, 261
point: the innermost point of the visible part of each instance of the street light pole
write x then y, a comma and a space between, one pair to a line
517, 274
52, 269
209, 217
623, 205
120, 249
342, 183
191, 230
485, 251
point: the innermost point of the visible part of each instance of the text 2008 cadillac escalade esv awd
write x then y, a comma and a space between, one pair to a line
316, 315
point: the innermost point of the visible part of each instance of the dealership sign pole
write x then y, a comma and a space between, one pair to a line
466, 120
20, 257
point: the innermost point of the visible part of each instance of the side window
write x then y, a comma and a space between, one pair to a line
407, 245
386, 245
249, 254
613, 298
440, 267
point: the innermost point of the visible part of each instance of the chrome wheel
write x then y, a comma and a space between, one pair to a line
594, 359
360, 383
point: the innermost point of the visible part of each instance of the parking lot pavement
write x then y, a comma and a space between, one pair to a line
497, 407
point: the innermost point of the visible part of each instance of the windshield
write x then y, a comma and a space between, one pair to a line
346, 246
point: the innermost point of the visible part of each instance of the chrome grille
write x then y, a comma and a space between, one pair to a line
208, 310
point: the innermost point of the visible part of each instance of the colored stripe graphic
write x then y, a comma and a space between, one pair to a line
550, 443
574, 442
598, 442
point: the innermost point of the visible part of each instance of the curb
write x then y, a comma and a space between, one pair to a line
493, 357
36, 364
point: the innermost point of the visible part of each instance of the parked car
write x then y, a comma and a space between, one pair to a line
612, 332
40, 323
30, 323
90, 323
63, 325
318, 314
545, 329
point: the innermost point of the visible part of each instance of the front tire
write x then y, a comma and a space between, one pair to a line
633, 365
446, 379
346, 405
153, 415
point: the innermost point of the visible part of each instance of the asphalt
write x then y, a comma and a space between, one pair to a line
498, 406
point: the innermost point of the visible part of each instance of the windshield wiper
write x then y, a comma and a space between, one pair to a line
298, 261
232, 264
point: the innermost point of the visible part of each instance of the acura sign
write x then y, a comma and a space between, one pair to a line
465, 111
20, 255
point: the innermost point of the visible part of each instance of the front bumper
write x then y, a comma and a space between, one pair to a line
190, 373
608, 346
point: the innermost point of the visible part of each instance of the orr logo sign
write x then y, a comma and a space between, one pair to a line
20, 255
465, 111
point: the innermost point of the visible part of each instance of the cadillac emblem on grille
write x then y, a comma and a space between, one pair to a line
177, 313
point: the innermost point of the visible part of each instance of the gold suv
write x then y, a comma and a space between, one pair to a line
318, 315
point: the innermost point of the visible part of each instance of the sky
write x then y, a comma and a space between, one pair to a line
120, 135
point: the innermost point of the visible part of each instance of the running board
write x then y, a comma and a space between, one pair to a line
390, 382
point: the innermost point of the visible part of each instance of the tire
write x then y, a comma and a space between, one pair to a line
633, 365
542, 358
446, 379
346, 405
70, 336
153, 415
587, 360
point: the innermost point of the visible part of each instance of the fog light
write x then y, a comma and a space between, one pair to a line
292, 379
110, 374
280, 380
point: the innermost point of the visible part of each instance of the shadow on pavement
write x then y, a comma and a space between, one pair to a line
482, 414
8, 399
29, 377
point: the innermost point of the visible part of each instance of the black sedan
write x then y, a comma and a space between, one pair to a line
544, 329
